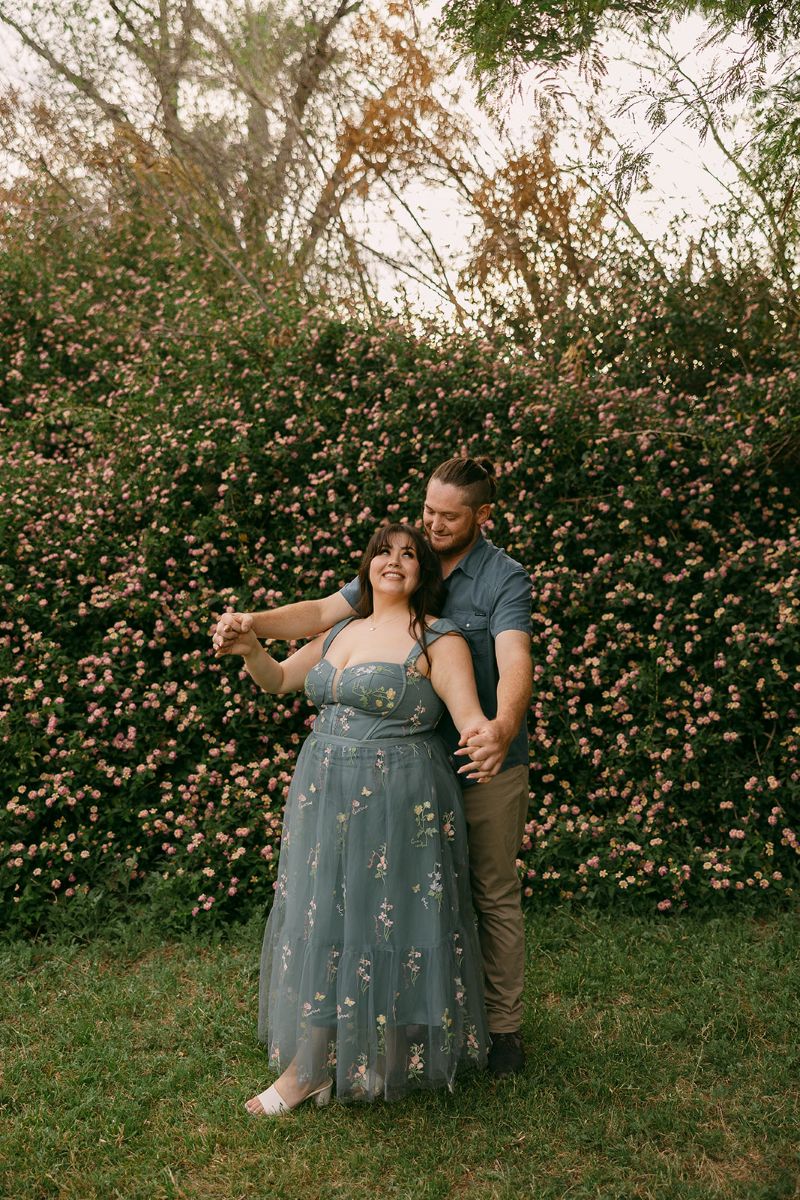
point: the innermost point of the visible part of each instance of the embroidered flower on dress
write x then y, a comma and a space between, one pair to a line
364, 974
384, 920
378, 861
416, 1060
411, 965
436, 888
424, 817
358, 1074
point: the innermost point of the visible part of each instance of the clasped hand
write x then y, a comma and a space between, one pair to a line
233, 634
486, 747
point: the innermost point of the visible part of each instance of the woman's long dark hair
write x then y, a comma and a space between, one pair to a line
428, 598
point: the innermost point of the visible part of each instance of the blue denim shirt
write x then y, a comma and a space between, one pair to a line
487, 593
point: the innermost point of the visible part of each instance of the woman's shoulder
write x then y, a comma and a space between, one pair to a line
441, 626
435, 630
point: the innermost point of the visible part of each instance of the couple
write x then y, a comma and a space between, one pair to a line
371, 967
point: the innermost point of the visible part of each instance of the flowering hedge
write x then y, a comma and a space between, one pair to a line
170, 447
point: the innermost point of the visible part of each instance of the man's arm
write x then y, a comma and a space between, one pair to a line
304, 619
487, 745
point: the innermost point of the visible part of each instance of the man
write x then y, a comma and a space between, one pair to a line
489, 598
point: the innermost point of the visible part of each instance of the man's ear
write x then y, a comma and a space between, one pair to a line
483, 513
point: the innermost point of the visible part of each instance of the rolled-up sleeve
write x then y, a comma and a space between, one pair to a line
352, 593
512, 604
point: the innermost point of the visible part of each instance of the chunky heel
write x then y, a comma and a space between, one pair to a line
324, 1097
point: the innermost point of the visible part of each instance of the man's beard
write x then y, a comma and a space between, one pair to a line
454, 547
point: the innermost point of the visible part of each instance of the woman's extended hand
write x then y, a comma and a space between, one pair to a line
233, 634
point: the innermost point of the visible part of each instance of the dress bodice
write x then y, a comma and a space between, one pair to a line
375, 699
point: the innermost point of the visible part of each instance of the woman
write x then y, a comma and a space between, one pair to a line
370, 967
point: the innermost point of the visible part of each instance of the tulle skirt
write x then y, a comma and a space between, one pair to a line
370, 968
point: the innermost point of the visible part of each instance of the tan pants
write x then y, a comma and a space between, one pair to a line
496, 813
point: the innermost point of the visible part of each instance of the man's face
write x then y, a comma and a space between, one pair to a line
450, 524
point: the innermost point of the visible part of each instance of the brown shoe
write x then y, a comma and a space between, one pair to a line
506, 1054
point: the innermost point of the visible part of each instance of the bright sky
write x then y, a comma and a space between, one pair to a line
686, 175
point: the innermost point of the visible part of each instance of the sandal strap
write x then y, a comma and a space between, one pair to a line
271, 1101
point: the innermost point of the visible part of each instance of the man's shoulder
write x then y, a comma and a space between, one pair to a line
497, 578
351, 592
500, 563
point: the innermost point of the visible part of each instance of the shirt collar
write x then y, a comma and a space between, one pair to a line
470, 563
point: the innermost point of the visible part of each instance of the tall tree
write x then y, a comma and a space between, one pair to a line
230, 121
276, 141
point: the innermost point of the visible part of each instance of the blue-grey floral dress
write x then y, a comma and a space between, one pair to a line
371, 964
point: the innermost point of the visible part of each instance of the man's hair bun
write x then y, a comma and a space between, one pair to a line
474, 476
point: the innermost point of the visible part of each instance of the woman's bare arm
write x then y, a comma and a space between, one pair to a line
279, 677
304, 619
453, 679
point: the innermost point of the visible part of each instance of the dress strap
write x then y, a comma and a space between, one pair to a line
334, 631
437, 629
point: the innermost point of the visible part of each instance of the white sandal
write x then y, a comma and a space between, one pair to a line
273, 1104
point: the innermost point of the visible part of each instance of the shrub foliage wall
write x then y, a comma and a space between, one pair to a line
169, 449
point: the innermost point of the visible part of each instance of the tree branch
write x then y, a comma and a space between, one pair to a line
85, 86
314, 62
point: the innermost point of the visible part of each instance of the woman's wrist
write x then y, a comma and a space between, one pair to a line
253, 653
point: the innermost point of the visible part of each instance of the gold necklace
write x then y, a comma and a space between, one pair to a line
380, 624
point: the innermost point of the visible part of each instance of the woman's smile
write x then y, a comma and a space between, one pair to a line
395, 562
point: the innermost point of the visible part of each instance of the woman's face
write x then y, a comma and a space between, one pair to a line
394, 571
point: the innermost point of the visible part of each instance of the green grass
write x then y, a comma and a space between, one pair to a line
663, 1065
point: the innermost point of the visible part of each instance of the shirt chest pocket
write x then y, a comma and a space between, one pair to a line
475, 627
